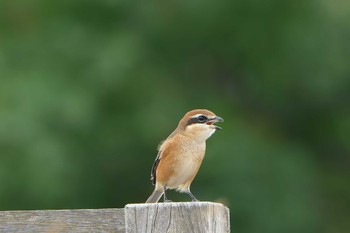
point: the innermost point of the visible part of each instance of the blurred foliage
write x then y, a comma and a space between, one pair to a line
89, 88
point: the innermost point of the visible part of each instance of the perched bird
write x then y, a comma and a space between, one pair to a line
181, 154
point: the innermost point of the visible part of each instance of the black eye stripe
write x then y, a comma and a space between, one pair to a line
199, 119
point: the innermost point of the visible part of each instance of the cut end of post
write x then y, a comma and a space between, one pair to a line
204, 217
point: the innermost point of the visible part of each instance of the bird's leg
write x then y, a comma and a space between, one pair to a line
194, 199
164, 197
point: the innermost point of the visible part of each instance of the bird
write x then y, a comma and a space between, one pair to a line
180, 155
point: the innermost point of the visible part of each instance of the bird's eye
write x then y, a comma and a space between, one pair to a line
202, 118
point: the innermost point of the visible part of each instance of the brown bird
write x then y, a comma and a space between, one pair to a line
181, 154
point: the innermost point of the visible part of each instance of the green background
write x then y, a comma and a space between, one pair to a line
89, 88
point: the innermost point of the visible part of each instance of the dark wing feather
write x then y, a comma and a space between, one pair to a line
154, 169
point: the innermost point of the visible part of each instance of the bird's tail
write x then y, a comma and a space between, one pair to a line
155, 196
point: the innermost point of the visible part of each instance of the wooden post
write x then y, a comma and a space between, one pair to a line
57, 221
177, 217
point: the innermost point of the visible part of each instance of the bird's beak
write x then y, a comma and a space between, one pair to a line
214, 120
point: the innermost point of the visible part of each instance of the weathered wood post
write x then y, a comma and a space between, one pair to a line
57, 221
177, 217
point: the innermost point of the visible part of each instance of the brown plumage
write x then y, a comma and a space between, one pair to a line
181, 154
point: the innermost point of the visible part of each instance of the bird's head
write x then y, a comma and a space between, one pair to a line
199, 124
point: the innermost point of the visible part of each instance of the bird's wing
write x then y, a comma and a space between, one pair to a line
154, 168
164, 152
